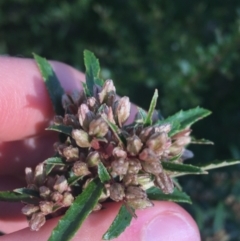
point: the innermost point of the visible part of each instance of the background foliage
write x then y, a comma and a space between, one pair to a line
189, 50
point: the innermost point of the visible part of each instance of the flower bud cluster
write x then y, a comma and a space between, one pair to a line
54, 194
132, 155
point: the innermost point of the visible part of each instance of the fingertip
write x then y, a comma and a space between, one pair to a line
165, 221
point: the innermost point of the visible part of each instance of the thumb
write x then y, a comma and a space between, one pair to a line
166, 221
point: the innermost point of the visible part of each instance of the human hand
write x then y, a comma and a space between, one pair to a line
25, 112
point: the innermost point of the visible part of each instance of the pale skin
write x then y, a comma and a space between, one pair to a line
25, 112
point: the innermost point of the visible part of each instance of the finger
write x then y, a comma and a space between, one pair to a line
166, 221
25, 104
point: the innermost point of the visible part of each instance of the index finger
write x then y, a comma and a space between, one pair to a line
24, 102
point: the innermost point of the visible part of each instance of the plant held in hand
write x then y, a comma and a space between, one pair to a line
100, 158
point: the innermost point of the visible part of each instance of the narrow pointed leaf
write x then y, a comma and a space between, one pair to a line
11, 196
201, 141
77, 212
49, 168
55, 161
52, 83
155, 193
26, 191
142, 114
186, 168
61, 128
73, 180
185, 118
92, 69
85, 89
148, 120
218, 164
103, 173
120, 223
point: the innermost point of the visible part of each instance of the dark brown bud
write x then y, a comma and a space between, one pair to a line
85, 116
93, 159
123, 110
157, 142
119, 153
67, 199
44, 192
134, 192
37, 221
29, 175
80, 169
148, 155
92, 103
145, 133
134, 145
71, 120
46, 207
134, 166
56, 197
107, 91
164, 182
81, 137
139, 203
117, 192
39, 174
61, 184
119, 167
29, 209
153, 167
130, 179
98, 127
71, 153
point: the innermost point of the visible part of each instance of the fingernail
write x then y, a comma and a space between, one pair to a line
169, 226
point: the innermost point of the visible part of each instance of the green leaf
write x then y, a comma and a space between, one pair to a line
52, 83
99, 81
218, 163
185, 168
142, 114
49, 168
103, 173
11, 196
55, 161
73, 180
201, 141
92, 69
85, 89
77, 212
61, 128
30, 192
120, 223
148, 120
185, 119
52, 162
155, 193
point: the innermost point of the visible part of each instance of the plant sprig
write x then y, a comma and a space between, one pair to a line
100, 158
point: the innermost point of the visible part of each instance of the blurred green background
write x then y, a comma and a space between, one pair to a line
189, 50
